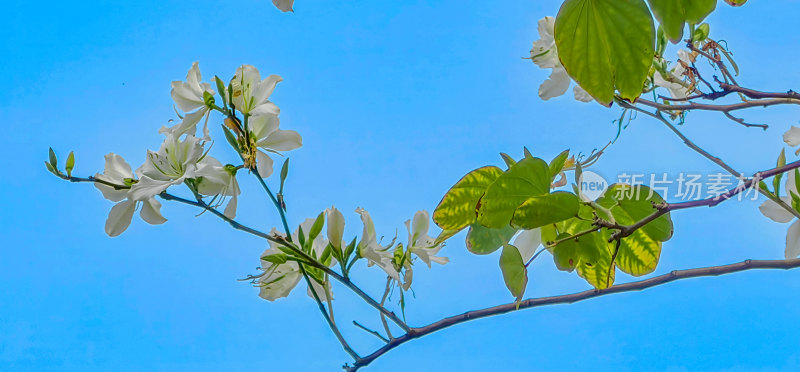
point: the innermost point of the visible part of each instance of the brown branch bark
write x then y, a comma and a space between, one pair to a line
414, 333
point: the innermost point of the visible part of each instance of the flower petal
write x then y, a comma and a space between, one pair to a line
265, 88
266, 108
527, 242
187, 126
282, 140
775, 212
284, 5
581, 94
792, 136
793, 241
419, 227
556, 85
325, 293
151, 212
263, 164
147, 188
119, 218
335, 226
263, 125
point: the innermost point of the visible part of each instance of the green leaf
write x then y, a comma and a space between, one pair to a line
606, 45
508, 159
231, 138
595, 266
53, 159
515, 274
277, 258
557, 164
589, 255
458, 207
546, 209
284, 173
51, 169
316, 228
70, 163
674, 14
527, 152
483, 240
529, 177
776, 182
566, 254
639, 253
221, 89
444, 235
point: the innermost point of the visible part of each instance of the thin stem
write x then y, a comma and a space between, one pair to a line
275, 202
383, 301
572, 298
374, 333
328, 319
704, 153
282, 241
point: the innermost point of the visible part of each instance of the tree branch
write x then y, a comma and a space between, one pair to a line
414, 333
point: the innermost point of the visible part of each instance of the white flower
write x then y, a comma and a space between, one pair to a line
284, 5
279, 279
335, 227
375, 253
270, 138
792, 137
545, 55
675, 84
188, 96
251, 94
419, 243
778, 214
527, 242
218, 179
174, 162
118, 171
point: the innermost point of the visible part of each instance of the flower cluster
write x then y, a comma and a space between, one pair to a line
183, 156
281, 271
777, 211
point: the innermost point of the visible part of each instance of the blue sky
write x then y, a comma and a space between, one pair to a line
395, 102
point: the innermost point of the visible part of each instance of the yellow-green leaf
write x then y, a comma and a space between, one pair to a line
484, 240
529, 177
606, 46
546, 209
674, 14
515, 274
458, 207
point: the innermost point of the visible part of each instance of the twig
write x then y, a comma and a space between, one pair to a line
328, 319
572, 298
374, 333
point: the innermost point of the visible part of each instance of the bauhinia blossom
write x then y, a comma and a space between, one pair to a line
545, 55
675, 82
189, 95
419, 243
174, 162
118, 172
375, 253
280, 278
219, 180
777, 213
251, 94
269, 138
335, 228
